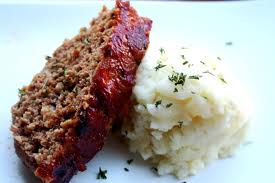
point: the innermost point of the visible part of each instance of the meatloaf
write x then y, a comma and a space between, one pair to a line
64, 115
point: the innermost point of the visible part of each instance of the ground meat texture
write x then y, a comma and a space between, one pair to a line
65, 113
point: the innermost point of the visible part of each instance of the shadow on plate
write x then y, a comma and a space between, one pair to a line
26, 174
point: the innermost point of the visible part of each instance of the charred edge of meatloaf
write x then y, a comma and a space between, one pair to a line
64, 115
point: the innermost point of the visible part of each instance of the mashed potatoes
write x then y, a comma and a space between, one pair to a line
189, 110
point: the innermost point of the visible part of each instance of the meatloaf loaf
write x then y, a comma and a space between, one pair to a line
65, 113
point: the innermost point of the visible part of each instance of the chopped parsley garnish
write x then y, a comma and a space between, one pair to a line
229, 43
177, 78
182, 56
202, 62
45, 83
175, 90
144, 106
129, 161
184, 63
222, 79
208, 72
126, 169
193, 92
168, 105
75, 90
21, 92
194, 77
154, 168
161, 50
86, 41
158, 103
180, 123
48, 58
65, 71
205, 97
101, 174
219, 58
159, 66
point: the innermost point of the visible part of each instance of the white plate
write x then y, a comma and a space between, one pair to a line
29, 32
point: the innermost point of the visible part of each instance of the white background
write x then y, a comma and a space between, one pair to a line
31, 31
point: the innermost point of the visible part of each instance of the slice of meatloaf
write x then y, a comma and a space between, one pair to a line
65, 113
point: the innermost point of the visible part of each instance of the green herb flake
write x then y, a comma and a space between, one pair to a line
208, 72
202, 62
190, 65
182, 56
177, 78
75, 90
168, 105
126, 169
223, 80
86, 41
48, 57
180, 123
159, 66
158, 103
45, 84
161, 50
144, 106
21, 92
193, 92
65, 71
229, 43
154, 169
219, 58
101, 174
175, 90
205, 97
194, 77
129, 161
184, 63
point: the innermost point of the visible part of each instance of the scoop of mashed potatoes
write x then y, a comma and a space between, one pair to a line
189, 111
